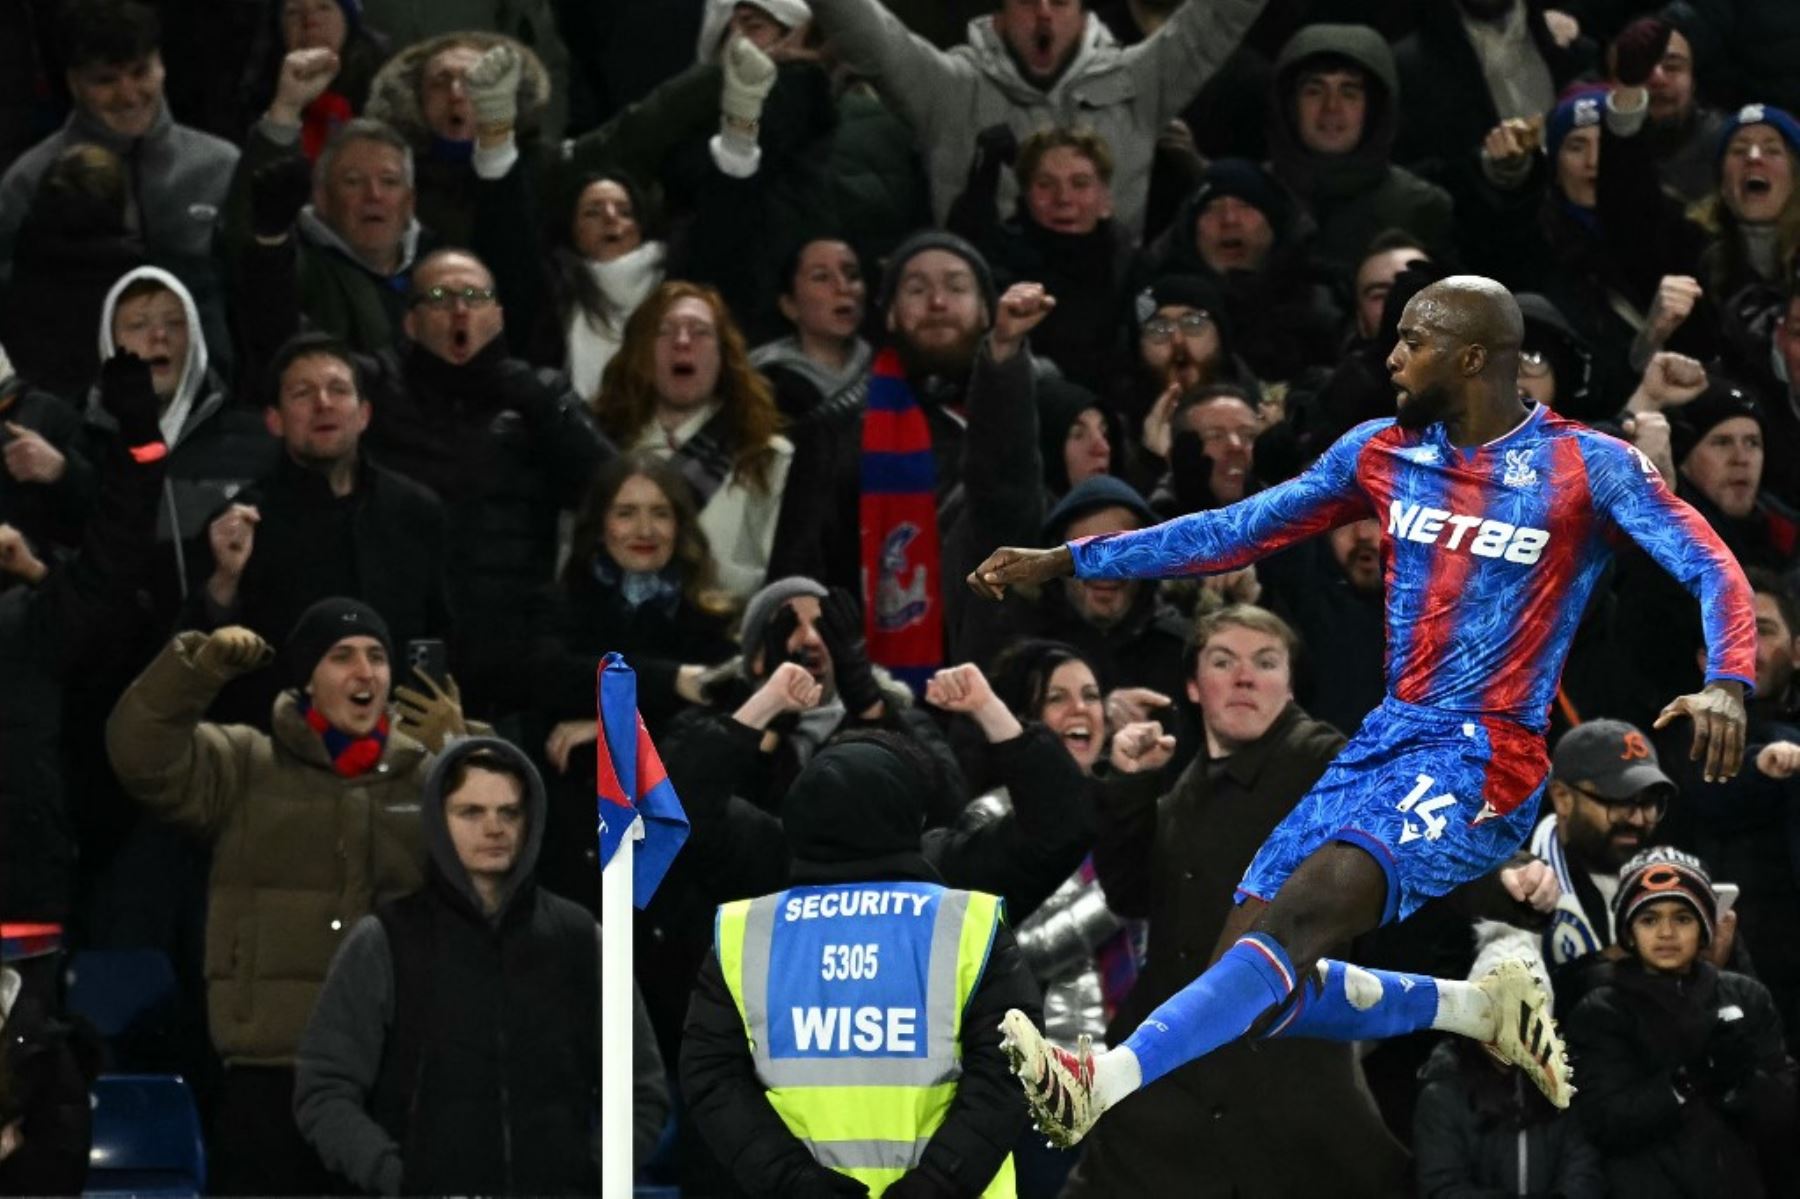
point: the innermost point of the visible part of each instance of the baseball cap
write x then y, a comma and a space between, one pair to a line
1612, 757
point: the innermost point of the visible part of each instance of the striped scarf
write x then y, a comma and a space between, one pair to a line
901, 565
350, 756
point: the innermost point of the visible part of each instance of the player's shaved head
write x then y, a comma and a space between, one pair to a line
1474, 310
1458, 346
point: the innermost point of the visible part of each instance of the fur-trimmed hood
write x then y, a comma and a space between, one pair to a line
394, 93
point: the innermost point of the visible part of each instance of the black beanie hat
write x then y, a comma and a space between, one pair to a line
324, 625
1185, 291
1092, 495
857, 804
936, 239
1060, 403
1691, 422
1665, 873
1244, 180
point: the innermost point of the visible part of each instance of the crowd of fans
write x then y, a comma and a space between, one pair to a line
443, 348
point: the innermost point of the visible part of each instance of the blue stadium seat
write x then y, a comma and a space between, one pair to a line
114, 988
146, 1138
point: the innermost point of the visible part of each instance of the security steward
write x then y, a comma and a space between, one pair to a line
843, 1037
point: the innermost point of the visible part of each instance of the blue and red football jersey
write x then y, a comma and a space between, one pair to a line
1490, 554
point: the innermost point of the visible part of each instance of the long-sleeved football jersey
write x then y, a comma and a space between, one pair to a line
1490, 553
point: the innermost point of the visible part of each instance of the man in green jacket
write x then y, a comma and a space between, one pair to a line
311, 828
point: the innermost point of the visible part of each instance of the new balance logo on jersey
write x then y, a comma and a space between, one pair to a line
1482, 537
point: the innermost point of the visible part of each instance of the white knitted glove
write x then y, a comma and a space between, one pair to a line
749, 78
493, 84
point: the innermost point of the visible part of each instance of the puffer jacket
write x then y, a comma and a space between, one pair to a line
1354, 196
1058, 941
300, 854
1746, 46
1126, 94
1683, 1081
1479, 1131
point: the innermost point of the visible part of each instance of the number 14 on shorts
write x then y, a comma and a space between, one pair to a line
1415, 804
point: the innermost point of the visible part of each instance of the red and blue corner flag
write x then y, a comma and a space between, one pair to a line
631, 782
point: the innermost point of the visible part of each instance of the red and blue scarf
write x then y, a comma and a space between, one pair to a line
902, 570
350, 756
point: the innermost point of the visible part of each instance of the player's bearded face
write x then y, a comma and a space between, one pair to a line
1418, 365
1417, 409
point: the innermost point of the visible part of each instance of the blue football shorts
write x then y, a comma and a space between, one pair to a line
1436, 798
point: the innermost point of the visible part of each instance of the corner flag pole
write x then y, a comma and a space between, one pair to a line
616, 1165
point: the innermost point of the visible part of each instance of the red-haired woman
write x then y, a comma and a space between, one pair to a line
682, 387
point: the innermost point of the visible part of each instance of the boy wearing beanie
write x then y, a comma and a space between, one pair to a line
312, 826
1687, 1087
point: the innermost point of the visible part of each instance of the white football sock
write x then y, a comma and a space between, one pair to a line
1116, 1075
1465, 1009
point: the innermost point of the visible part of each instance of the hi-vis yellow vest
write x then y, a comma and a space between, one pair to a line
852, 997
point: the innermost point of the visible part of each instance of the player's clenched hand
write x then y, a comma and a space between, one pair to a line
1718, 714
1009, 566
1141, 747
1532, 882
1779, 759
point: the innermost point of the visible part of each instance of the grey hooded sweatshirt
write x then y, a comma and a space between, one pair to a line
1126, 94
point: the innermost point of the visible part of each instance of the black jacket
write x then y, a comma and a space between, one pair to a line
1341, 672
46, 512
1282, 316
455, 1049
384, 544
1478, 1131
222, 447
505, 447
1085, 272
60, 278
1210, 1128
1359, 194
582, 620
766, 1159
47, 633
1683, 1081
1445, 108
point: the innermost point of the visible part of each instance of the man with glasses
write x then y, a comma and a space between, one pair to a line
1609, 794
506, 446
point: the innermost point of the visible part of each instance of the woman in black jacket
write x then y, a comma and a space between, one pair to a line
1686, 1087
639, 581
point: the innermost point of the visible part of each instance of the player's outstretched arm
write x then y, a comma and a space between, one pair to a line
1717, 711
1007, 566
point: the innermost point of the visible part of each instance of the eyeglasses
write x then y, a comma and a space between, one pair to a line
442, 299
1654, 804
1534, 364
1160, 330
